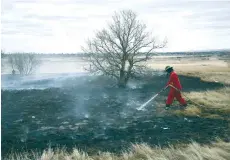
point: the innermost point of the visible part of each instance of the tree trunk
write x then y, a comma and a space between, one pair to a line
121, 80
124, 77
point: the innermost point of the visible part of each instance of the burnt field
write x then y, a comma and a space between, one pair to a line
90, 113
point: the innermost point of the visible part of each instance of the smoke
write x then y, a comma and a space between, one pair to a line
39, 81
74, 101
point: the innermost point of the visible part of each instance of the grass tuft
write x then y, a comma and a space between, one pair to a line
189, 111
219, 150
213, 99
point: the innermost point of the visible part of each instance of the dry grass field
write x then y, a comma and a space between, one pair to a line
217, 151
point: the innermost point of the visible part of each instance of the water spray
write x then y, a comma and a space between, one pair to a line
145, 104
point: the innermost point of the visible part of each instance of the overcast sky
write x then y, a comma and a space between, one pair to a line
64, 25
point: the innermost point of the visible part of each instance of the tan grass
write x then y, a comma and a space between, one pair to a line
209, 104
210, 72
216, 151
214, 99
189, 111
213, 69
219, 77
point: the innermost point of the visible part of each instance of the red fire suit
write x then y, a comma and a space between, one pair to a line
174, 81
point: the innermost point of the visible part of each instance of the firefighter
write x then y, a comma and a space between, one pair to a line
175, 88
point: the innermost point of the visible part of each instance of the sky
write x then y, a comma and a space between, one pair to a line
63, 26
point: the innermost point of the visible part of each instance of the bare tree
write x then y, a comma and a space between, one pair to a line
119, 50
24, 63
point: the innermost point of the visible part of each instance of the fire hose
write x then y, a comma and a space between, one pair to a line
185, 96
152, 98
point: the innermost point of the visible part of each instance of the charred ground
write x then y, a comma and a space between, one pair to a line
90, 113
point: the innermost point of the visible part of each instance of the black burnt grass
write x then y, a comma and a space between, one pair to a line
96, 116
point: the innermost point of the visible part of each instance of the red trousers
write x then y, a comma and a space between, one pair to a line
175, 94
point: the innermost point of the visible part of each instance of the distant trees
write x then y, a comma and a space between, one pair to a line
2, 53
2, 56
24, 63
119, 50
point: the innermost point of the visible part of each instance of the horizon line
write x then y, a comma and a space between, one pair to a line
188, 51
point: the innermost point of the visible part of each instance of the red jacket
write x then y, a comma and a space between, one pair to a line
174, 81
